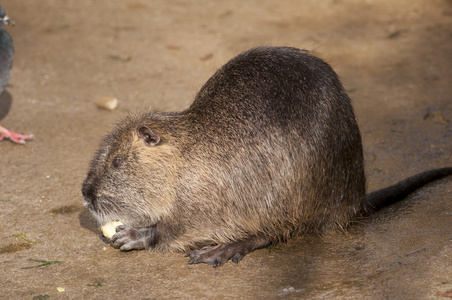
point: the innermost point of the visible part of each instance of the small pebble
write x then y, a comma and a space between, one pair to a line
109, 103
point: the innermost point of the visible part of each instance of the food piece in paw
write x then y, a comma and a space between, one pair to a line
109, 228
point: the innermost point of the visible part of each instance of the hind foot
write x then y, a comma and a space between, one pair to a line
219, 254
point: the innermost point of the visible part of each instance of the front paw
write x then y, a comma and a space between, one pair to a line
129, 238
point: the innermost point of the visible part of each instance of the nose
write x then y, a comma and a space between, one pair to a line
89, 193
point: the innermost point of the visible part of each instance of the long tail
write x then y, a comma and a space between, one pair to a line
400, 190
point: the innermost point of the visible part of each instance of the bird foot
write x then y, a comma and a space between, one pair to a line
13, 136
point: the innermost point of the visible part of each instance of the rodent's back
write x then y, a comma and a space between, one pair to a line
270, 86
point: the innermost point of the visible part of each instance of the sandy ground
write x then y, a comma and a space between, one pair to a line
394, 58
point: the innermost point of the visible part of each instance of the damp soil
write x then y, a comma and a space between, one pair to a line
393, 57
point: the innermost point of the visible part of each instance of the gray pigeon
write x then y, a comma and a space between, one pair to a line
6, 63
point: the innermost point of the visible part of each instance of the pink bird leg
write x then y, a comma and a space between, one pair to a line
13, 136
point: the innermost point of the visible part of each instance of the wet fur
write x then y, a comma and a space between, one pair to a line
269, 148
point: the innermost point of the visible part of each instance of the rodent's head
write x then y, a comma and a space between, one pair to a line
130, 175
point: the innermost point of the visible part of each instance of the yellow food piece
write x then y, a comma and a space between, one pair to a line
109, 229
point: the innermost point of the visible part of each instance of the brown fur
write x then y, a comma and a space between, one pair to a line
269, 148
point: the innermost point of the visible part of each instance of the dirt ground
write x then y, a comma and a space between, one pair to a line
394, 58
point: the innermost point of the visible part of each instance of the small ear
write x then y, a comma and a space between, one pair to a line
149, 138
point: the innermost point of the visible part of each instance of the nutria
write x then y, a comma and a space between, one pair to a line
269, 148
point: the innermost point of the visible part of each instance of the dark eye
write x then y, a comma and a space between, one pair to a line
116, 162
